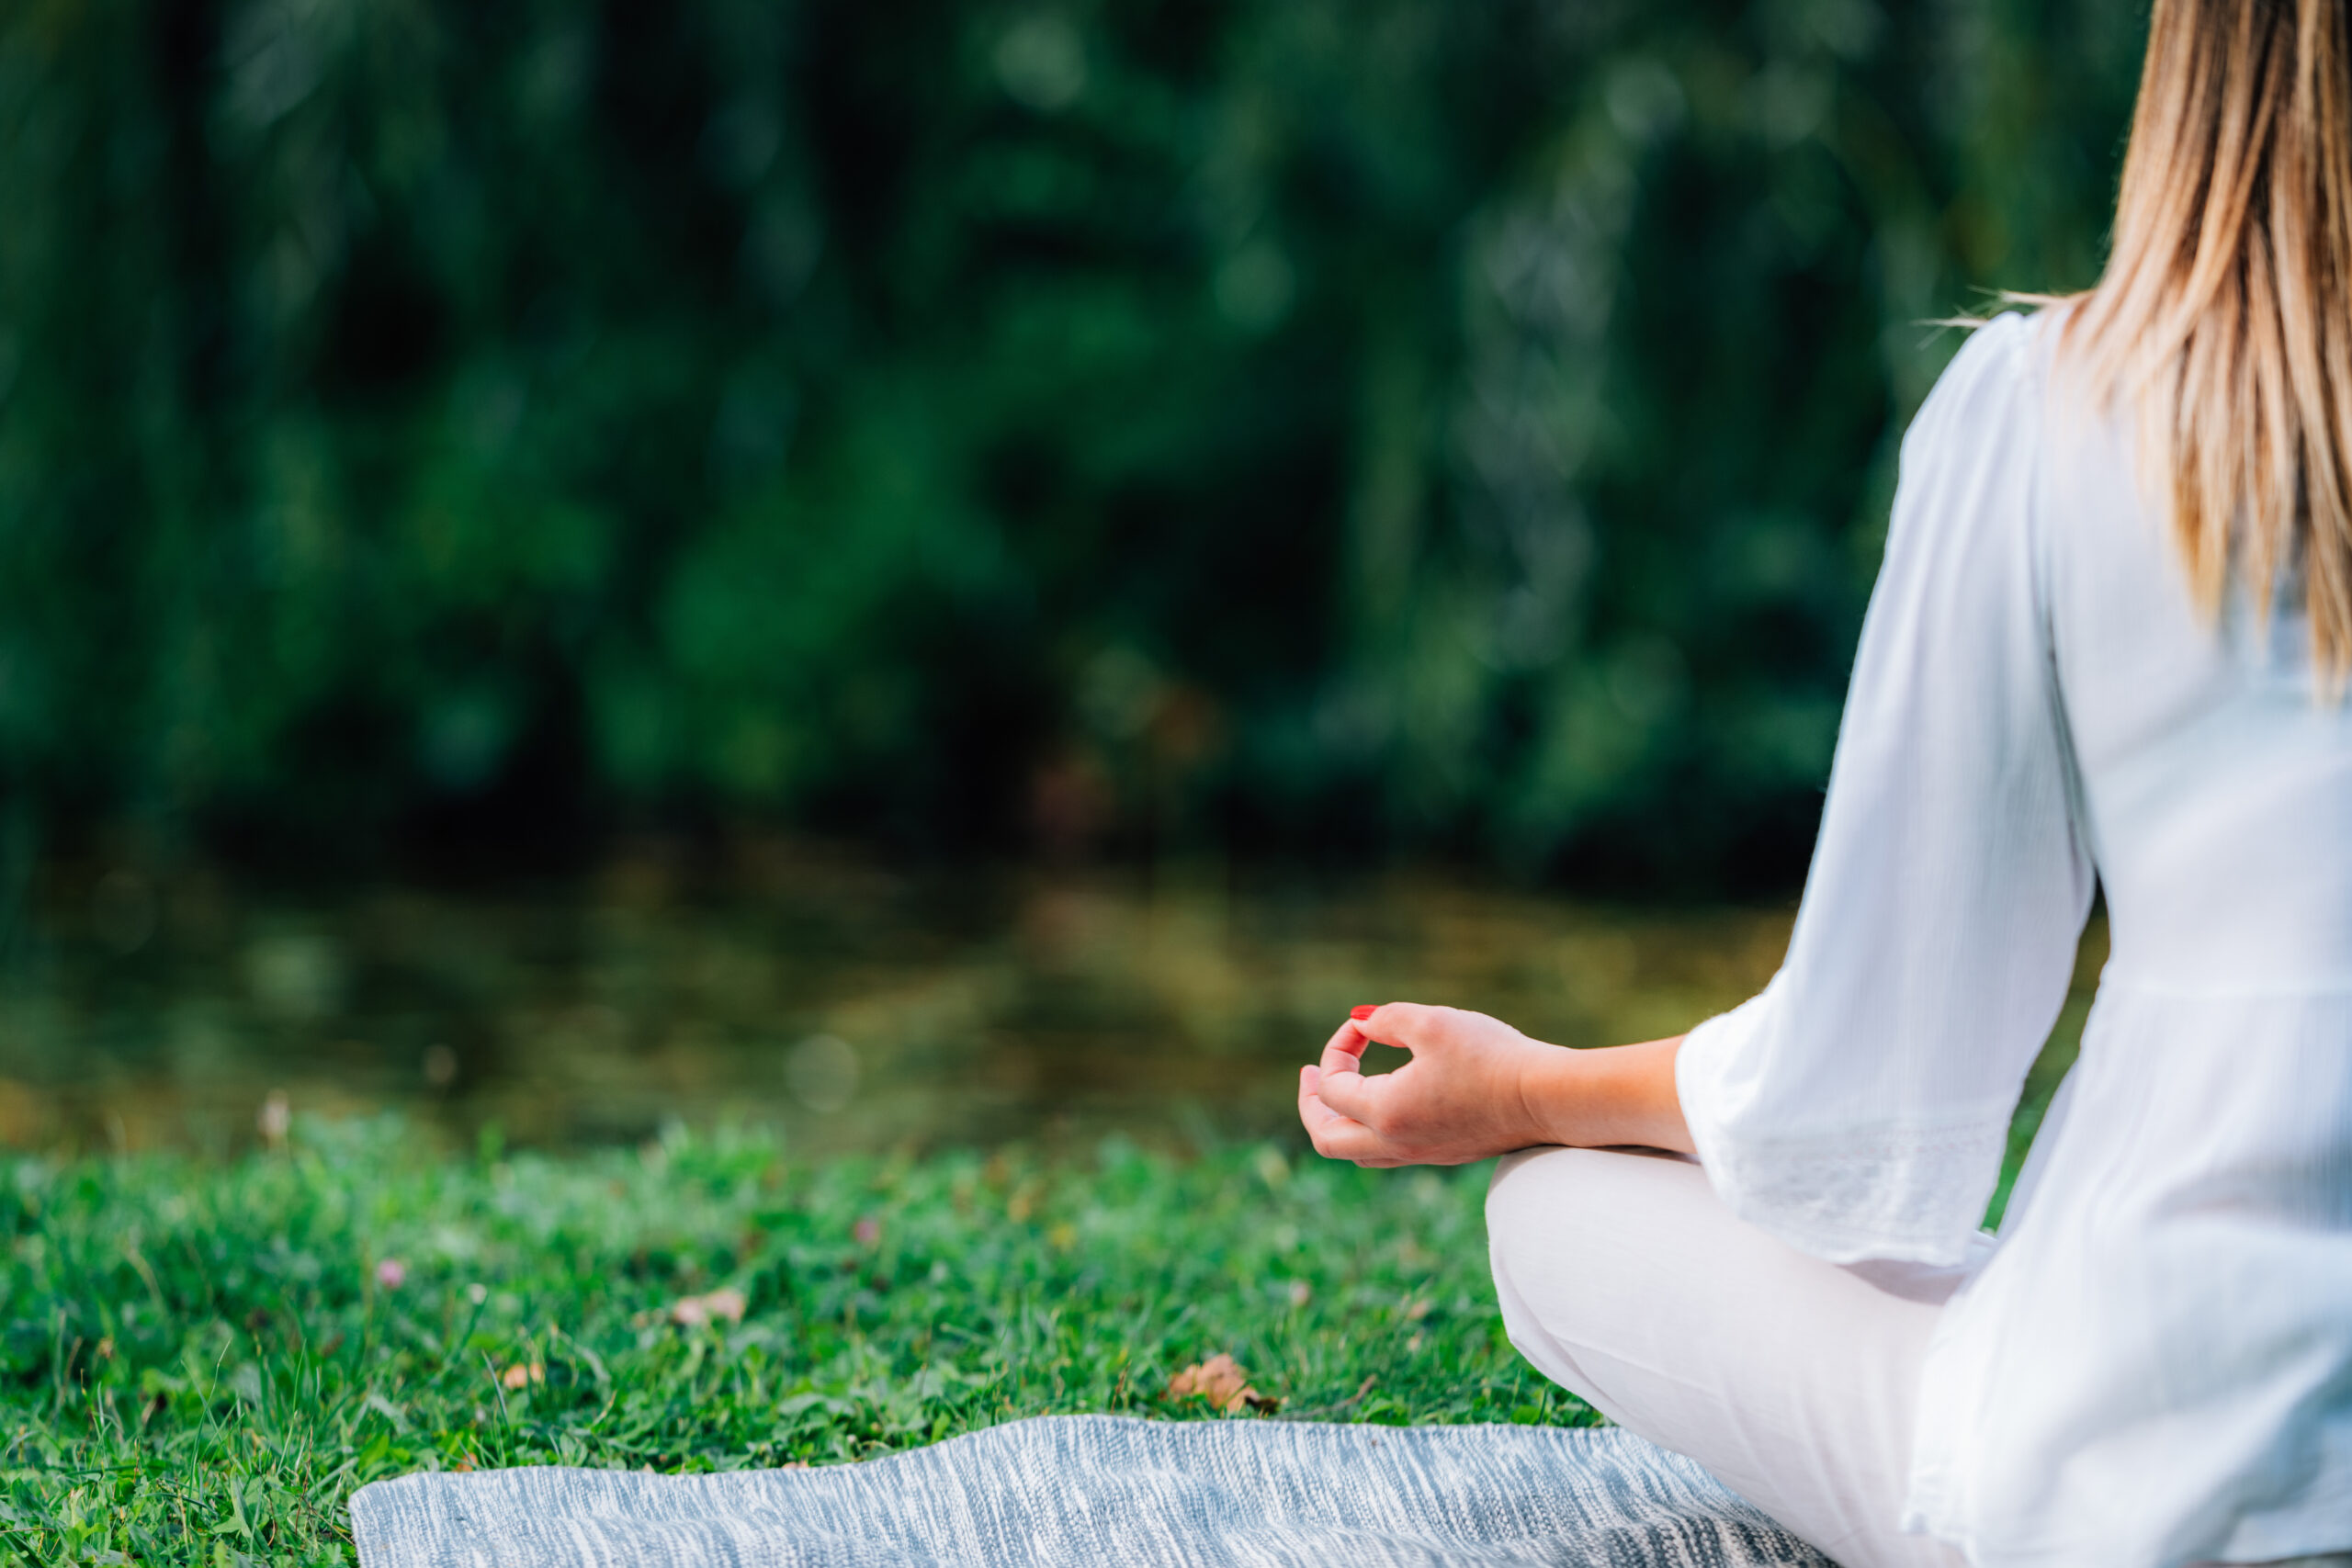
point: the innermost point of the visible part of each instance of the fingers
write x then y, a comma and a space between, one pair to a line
1405, 1024
1356, 1096
1343, 1110
1343, 1053
1335, 1136
1343, 1085
1313, 1114
1334, 1097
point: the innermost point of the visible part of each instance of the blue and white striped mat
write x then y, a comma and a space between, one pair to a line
1108, 1491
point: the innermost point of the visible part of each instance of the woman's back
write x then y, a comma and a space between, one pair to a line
2154, 1363
2217, 779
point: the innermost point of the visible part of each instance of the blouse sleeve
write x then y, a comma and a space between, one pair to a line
1859, 1107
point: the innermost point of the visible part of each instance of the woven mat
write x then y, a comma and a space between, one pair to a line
1108, 1491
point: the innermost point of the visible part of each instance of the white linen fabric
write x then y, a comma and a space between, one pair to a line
1795, 1381
2154, 1367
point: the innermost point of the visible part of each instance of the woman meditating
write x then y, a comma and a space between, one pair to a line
2110, 641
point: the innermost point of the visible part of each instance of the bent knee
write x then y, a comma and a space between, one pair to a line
1575, 1235
1541, 1196
1543, 1205
1526, 1188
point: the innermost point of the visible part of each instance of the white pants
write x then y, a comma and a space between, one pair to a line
1626, 1281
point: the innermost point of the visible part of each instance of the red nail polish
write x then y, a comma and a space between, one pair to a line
1364, 1011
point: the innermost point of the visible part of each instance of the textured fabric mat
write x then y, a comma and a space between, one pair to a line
1108, 1491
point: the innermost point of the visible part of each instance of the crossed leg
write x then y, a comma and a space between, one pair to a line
1624, 1280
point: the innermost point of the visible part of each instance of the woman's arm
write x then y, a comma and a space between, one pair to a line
1476, 1086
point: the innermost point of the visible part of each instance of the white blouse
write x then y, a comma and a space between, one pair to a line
2154, 1365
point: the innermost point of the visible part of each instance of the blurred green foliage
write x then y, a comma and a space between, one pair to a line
1281, 423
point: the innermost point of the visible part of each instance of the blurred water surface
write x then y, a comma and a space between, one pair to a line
857, 1008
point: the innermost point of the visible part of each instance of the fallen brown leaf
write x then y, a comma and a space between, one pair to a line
693, 1312
1221, 1381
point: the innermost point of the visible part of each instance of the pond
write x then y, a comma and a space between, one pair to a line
854, 1007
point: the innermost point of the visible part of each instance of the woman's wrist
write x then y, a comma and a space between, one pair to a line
1551, 1088
1621, 1095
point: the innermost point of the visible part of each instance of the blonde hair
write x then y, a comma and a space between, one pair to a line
2224, 318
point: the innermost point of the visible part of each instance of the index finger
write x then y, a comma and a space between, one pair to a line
1343, 1053
1396, 1023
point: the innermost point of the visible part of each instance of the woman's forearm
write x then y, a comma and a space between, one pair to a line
1598, 1098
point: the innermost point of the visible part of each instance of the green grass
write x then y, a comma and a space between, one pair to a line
199, 1364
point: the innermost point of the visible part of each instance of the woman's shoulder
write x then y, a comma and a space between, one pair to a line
2005, 354
1997, 376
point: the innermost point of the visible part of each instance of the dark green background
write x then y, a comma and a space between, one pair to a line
1325, 427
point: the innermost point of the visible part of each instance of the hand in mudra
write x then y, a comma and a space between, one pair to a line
1464, 1096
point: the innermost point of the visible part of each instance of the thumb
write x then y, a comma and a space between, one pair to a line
1352, 1095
